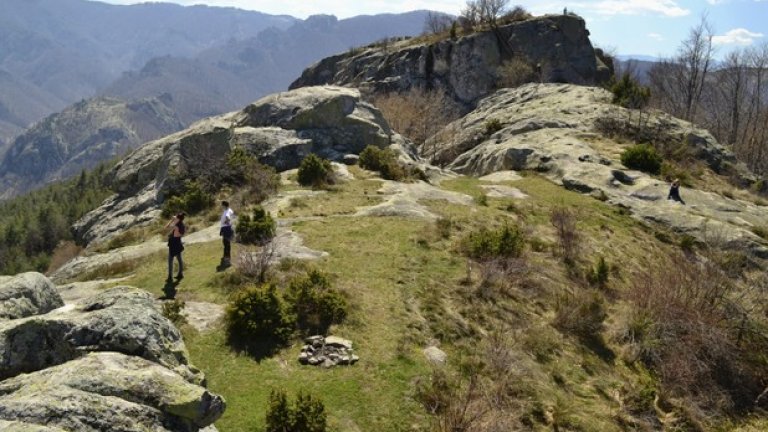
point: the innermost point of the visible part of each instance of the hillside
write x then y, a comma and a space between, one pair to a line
449, 327
80, 138
239, 71
66, 50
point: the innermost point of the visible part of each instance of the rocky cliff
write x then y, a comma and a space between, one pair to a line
280, 130
110, 362
556, 46
554, 129
80, 137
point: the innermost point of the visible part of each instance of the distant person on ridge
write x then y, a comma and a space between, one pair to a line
175, 246
674, 192
227, 232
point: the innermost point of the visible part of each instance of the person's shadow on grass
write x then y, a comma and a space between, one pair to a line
169, 289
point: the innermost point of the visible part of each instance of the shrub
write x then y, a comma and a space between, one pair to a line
485, 244
192, 200
384, 161
257, 320
242, 169
173, 311
688, 328
315, 304
307, 414
642, 157
492, 126
687, 243
481, 199
564, 221
514, 73
316, 172
256, 229
628, 93
598, 275
582, 315
443, 227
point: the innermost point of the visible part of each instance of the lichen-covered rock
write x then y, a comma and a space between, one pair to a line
557, 46
122, 319
27, 294
552, 129
107, 392
280, 130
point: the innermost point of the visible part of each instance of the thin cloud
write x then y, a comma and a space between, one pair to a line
668, 8
737, 36
656, 36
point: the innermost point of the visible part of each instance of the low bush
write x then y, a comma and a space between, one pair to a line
598, 275
492, 126
515, 72
628, 93
192, 200
306, 414
315, 304
257, 228
485, 244
383, 161
581, 314
258, 320
242, 169
316, 172
173, 310
642, 157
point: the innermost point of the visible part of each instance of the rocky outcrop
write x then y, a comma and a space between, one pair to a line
80, 137
111, 362
280, 130
27, 294
556, 46
552, 129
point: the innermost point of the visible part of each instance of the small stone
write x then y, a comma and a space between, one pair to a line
311, 340
435, 355
338, 342
350, 159
344, 360
328, 363
303, 358
313, 361
354, 359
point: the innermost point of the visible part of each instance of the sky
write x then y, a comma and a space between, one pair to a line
628, 27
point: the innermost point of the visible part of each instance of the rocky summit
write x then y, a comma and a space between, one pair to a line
110, 362
466, 67
280, 130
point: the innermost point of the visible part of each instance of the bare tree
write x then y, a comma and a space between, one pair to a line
681, 80
484, 12
437, 23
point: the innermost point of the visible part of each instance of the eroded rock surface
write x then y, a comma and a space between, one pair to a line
110, 362
551, 128
280, 130
27, 294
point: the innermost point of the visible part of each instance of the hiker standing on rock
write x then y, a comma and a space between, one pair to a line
227, 233
674, 192
175, 246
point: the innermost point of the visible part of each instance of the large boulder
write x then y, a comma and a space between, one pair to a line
110, 362
122, 319
106, 392
554, 129
27, 294
556, 46
280, 130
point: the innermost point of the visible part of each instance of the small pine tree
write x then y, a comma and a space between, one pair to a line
279, 413
598, 276
307, 414
628, 93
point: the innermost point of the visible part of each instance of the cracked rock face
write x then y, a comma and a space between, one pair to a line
111, 362
552, 129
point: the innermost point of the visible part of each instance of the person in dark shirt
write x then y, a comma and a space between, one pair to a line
175, 246
674, 192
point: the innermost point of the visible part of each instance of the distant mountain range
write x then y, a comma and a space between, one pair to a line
193, 62
61, 51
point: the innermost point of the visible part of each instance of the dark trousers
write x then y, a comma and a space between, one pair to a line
170, 265
227, 247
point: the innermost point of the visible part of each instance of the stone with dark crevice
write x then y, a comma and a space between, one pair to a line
327, 352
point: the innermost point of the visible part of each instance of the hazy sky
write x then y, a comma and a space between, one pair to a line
649, 27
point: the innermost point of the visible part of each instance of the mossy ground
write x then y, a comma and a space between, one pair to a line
409, 285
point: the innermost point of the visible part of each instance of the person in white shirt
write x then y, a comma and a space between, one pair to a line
227, 232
